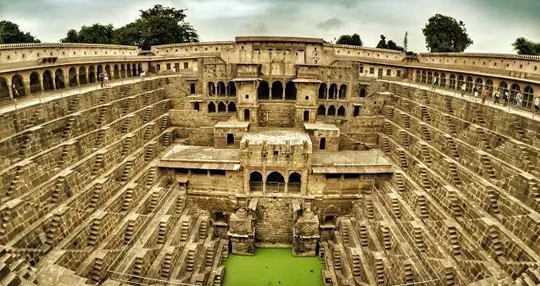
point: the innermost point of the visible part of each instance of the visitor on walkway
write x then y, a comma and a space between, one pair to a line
519, 100
143, 74
476, 91
485, 94
536, 104
101, 78
106, 79
174, 69
434, 83
497, 96
506, 97
463, 89
15, 91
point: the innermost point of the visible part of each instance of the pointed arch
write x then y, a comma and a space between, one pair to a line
72, 76
221, 88
277, 90
323, 90
341, 111
321, 110
331, 111
211, 107
332, 92
231, 88
263, 91
18, 86
231, 107
92, 74
211, 88
59, 78
343, 91
35, 83
222, 107
47, 81
116, 71
4, 89
82, 75
123, 70
290, 91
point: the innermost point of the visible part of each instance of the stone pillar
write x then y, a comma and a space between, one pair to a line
10, 86
27, 90
242, 233
306, 234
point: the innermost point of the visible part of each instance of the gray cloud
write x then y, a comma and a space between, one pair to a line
492, 24
330, 24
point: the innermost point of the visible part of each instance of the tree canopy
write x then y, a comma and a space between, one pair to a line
156, 26
446, 34
526, 47
353, 39
11, 34
391, 45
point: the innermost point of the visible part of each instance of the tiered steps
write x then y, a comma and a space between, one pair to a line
379, 272
419, 239
492, 201
426, 135
396, 209
369, 209
357, 265
364, 241
53, 230
404, 139
130, 229
387, 241
449, 108
164, 122
408, 274
126, 146
98, 188
128, 197
336, 256
127, 171
203, 230
162, 232
425, 154
98, 164
388, 128
166, 266
483, 139
402, 158
67, 129
454, 240
190, 260
209, 257
93, 237
97, 271
451, 145
422, 207
15, 181
167, 139
453, 172
63, 155
184, 230
488, 167
425, 114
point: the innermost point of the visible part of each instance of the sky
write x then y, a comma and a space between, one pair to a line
493, 25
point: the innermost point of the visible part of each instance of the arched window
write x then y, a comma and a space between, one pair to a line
211, 88
232, 107
295, 182
528, 97
123, 70
82, 75
436, 75
343, 91
92, 74
479, 82
469, 83
443, 80
489, 86
4, 89
452, 81
341, 111
221, 88
514, 89
128, 70
418, 76
17, 85
222, 107
362, 92
323, 91
59, 79
277, 90
255, 182
331, 110
332, 93
503, 87
140, 68
231, 88
429, 77
275, 182
35, 83
424, 77
108, 71
321, 110
116, 72
263, 91
460, 81
211, 107
72, 76
47, 80
290, 91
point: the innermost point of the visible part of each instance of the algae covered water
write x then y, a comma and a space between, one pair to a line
272, 267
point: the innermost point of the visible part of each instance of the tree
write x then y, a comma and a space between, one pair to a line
526, 47
95, 34
382, 43
157, 26
391, 45
446, 34
11, 34
353, 39
72, 37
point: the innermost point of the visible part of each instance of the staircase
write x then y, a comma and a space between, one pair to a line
125, 146
426, 135
488, 167
179, 206
419, 239
128, 234
96, 195
386, 145
402, 159
357, 265
422, 207
454, 240
97, 271
379, 272
203, 230
518, 128
162, 233
52, 231
209, 257
451, 145
25, 144
388, 128
127, 171
166, 139
407, 106
151, 178
425, 114
478, 116
492, 201
450, 125
483, 140
449, 108
454, 202
149, 153
190, 260
67, 129
336, 255
166, 266
58, 190
63, 155
408, 274
454, 175
126, 106
128, 197
369, 208
398, 179
345, 234
396, 210
406, 121
425, 154
526, 161
154, 200
184, 230
425, 96
164, 122
100, 138
98, 164
73, 104
364, 241
390, 112
404, 139
12, 188
136, 271
148, 114
102, 115
424, 179
93, 237
147, 133
126, 124
387, 242
496, 245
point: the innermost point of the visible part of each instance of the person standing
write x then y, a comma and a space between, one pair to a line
106, 79
497, 96
101, 78
506, 97
519, 100
485, 95
536, 104
15, 91
463, 89
435, 79
476, 90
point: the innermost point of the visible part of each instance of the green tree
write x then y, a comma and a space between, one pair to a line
11, 34
391, 45
353, 39
526, 47
157, 26
95, 34
446, 34
382, 43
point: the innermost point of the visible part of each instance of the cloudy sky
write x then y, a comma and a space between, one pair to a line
492, 24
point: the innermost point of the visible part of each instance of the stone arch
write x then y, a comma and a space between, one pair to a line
255, 176
452, 81
528, 96
231, 107
18, 86
343, 91
221, 88
59, 78
211, 107
290, 91
442, 80
255, 181
418, 76
222, 107
275, 182
479, 82
294, 183
72, 76
211, 88
231, 88
35, 82
332, 92
321, 110
4, 88
362, 92
503, 87
423, 77
341, 111
116, 72
263, 91
82, 75
92, 74
469, 83
489, 86
514, 89
460, 81
128, 70
430, 77
277, 90
323, 91
47, 81
123, 71
331, 111
108, 71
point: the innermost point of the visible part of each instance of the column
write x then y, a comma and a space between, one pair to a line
10, 87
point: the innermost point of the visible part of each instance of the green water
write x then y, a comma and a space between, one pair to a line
272, 267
